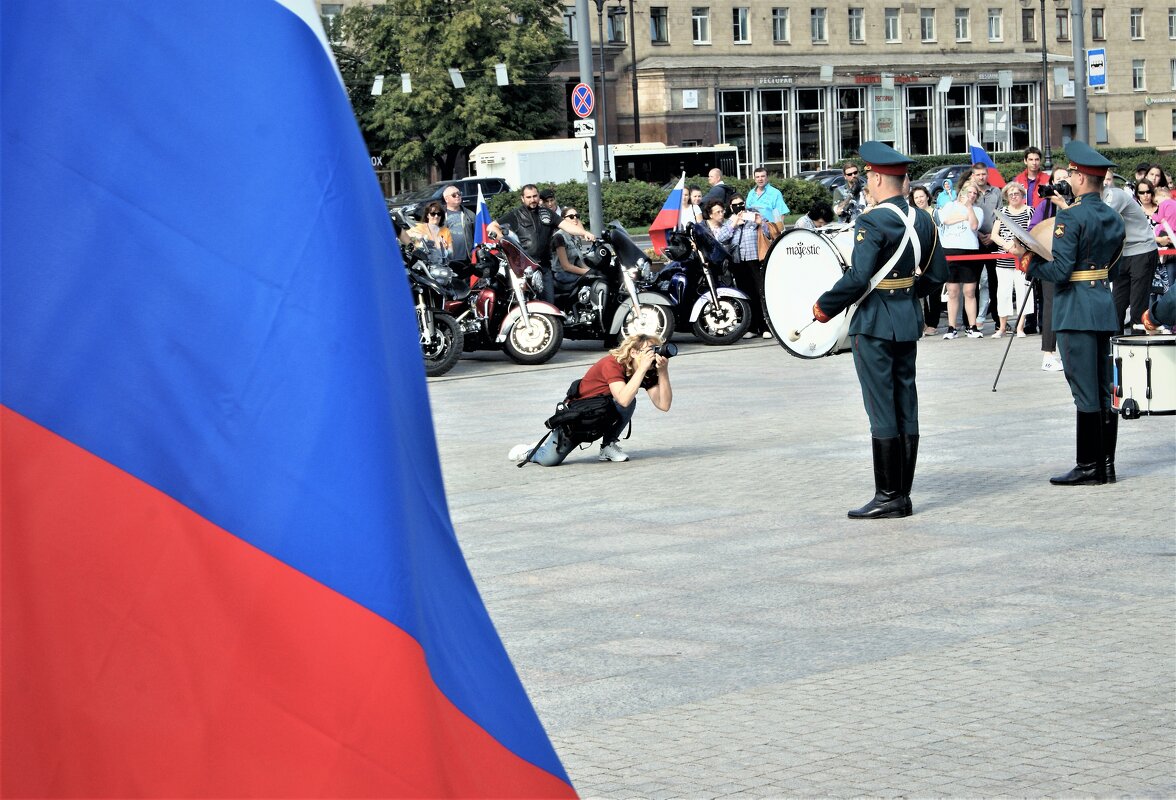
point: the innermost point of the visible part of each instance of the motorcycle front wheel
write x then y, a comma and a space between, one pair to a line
536, 341
725, 323
653, 320
442, 352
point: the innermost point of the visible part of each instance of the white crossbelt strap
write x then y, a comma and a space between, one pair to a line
908, 235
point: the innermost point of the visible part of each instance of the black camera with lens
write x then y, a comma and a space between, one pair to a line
1061, 189
667, 350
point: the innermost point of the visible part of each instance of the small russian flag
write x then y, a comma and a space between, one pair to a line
670, 217
979, 156
482, 219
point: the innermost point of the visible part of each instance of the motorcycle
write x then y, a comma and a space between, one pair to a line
433, 286
606, 303
719, 314
500, 314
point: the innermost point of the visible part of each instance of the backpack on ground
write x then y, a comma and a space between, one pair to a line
580, 421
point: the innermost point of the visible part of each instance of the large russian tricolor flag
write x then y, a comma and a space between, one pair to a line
671, 217
228, 566
980, 156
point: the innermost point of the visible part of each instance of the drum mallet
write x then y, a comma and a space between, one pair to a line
1009, 346
794, 334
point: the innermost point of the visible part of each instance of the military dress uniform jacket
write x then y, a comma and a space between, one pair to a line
1088, 239
888, 313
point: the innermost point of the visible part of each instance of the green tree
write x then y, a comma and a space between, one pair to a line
437, 123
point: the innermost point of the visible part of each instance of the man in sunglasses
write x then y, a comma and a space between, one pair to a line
535, 224
850, 200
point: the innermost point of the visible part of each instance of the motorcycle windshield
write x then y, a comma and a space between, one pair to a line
628, 253
708, 246
515, 256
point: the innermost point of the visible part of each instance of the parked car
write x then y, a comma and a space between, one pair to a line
411, 203
932, 180
818, 175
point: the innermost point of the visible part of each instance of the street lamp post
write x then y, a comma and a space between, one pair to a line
1048, 161
633, 73
602, 117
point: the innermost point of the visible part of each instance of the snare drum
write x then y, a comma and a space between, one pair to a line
1145, 375
798, 268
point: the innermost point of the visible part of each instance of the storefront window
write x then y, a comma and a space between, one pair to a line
773, 124
851, 121
955, 112
735, 123
919, 107
811, 123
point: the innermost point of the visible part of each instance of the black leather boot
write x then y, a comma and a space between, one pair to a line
888, 501
1110, 437
1091, 469
910, 454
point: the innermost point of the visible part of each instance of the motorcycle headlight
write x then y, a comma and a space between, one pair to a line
442, 273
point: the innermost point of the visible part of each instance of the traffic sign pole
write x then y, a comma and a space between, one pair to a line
584, 51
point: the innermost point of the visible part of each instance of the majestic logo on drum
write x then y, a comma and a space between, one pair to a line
801, 250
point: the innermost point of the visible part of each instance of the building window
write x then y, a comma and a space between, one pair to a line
741, 25
1022, 114
927, 24
817, 25
735, 123
1174, 124
957, 104
1028, 25
773, 128
1172, 70
1100, 127
1137, 82
857, 20
851, 121
780, 25
920, 107
1098, 28
1172, 23
995, 24
569, 22
329, 12
659, 24
700, 20
1135, 23
1063, 25
893, 26
811, 123
963, 25
616, 26
1141, 126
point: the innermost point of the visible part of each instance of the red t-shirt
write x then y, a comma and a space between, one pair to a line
596, 380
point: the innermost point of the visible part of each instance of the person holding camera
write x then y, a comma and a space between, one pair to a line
641, 361
1088, 238
1058, 194
849, 195
896, 259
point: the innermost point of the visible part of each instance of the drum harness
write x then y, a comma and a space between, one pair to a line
909, 235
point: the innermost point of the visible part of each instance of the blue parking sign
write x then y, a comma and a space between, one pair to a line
1096, 67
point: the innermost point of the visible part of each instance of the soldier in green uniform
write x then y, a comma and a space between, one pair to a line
896, 260
1088, 240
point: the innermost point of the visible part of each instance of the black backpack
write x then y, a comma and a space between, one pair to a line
580, 420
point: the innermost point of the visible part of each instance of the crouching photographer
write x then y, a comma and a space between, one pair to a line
601, 404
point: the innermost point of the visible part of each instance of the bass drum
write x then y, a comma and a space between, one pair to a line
798, 268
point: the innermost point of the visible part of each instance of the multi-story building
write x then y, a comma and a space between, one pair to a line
798, 87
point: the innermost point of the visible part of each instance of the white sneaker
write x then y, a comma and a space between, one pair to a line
997, 335
951, 333
612, 452
1051, 364
974, 333
768, 335
518, 452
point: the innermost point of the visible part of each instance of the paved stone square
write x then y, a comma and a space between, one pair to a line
704, 621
